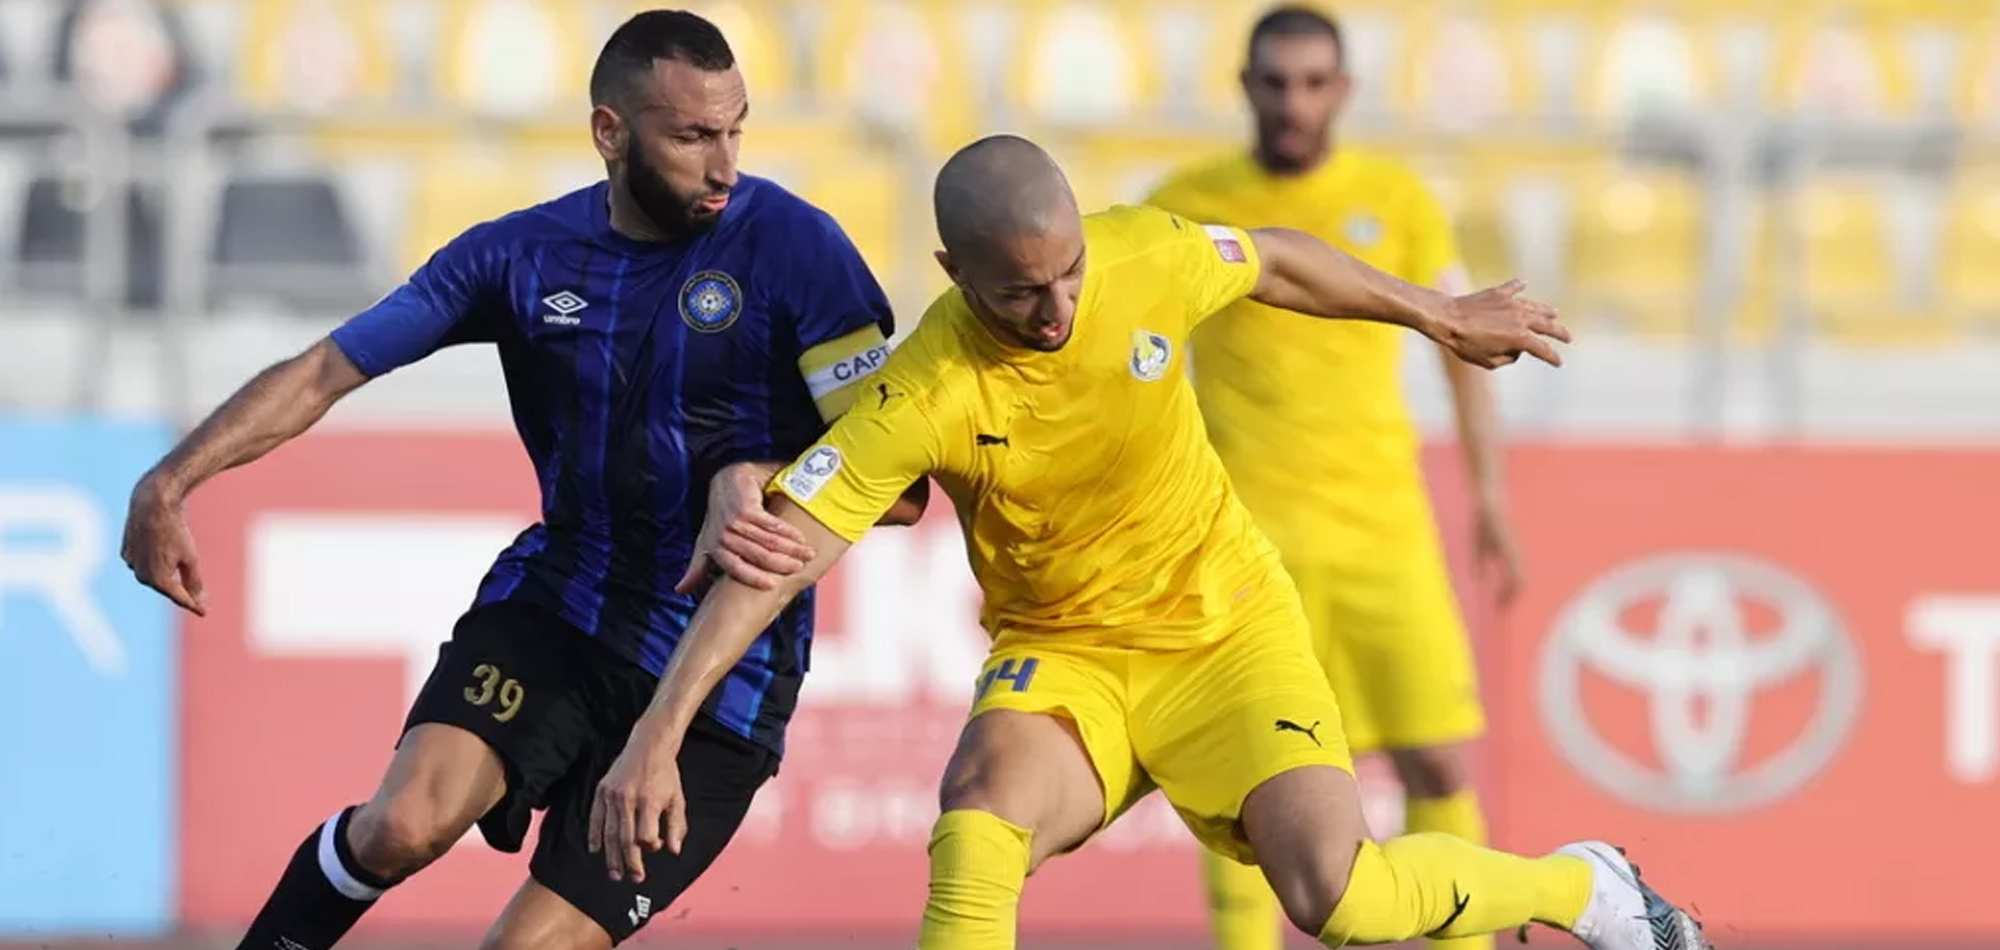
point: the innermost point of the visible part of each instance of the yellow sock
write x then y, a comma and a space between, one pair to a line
1432, 885
978, 863
1243, 912
1457, 815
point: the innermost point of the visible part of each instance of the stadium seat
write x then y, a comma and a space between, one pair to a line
129, 58
1084, 63
313, 55
455, 190
1976, 82
1840, 63
514, 59
50, 255
1970, 272
902, 66
1866, 264
1462, 69
288, 239
867, 193
1123, 167
1647, 63
1636, 252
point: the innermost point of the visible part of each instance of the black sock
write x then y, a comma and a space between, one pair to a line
323, 894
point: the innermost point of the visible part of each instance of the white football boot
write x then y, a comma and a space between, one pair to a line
1625, 914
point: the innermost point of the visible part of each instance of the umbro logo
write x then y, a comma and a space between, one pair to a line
1310, 732
563, 309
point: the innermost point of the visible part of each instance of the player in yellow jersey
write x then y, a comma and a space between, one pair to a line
1144, 632
1284, 394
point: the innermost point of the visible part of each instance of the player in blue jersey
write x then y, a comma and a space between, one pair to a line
662, 333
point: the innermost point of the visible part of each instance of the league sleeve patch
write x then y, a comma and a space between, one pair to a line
812, 473
1226, 243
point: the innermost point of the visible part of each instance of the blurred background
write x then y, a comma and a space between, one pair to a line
1760, 504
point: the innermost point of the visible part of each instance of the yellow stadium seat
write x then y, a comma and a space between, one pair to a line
1636, 247
1842, 63
1463, 68
867, 194
1124, 167
1971, 251
456, 189
1647, 61
1976, 87
314, 54
517, 59
1084, 63
898, 65
1851, 262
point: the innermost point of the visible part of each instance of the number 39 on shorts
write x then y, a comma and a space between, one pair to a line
1018, 672
490, 684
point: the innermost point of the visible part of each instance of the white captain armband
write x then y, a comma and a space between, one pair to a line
831, 369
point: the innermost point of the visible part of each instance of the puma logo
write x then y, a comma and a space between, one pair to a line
984, 439
1459, 903
1310, 732
883, 389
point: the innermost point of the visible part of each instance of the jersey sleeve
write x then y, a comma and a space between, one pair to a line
1209, 266
866, 460
1433, 250
828, 290
440, 305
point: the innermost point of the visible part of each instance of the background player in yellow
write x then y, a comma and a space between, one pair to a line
1284, 394
1145, 634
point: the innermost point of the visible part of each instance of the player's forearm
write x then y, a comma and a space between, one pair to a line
274, 407
1307, 275
725, 625
723, 628
1478, 427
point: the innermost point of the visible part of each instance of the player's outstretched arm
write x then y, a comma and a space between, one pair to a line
274, 407
638, 808
1491, 328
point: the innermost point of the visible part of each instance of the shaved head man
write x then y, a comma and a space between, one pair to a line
1013, 239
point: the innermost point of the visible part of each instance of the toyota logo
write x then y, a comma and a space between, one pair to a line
1725, 630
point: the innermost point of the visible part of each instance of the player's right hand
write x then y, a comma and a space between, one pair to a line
159, 548
741, 538
1495, 326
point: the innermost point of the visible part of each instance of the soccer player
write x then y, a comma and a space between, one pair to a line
1145, 633
1284, 394
661, 332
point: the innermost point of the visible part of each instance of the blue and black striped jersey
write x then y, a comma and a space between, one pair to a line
636, 371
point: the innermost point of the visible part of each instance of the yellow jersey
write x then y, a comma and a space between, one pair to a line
1309, 414
1092, 505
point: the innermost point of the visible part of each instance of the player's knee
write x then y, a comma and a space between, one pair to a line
401, 836
1437, 772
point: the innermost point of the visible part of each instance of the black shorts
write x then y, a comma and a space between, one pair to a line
557, 706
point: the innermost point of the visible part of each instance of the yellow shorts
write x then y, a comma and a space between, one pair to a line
1393, 645
1206, 725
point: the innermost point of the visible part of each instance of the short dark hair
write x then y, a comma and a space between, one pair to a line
1295, 20
674, 35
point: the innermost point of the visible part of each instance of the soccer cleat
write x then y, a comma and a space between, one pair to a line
1625, 914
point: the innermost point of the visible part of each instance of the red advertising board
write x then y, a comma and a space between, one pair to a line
1772, 674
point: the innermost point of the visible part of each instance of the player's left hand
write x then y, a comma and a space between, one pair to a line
1493, 327
637, 799
1495, 550
753, 546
